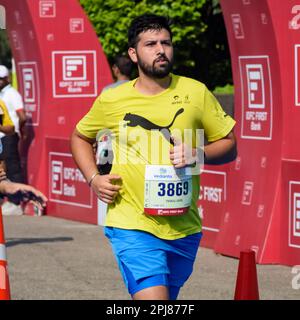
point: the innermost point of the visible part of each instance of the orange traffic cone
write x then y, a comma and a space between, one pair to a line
247, 284
4, 281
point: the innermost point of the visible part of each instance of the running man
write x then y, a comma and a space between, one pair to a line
152, 221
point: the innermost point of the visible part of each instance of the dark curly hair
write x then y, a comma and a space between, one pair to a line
144, 23
124, 64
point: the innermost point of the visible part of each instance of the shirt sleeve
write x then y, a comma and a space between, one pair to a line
93, 121
216, 123
18, 101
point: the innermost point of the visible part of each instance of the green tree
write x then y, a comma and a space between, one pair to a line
199, 34
5, 52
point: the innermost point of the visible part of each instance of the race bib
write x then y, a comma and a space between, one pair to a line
168, 191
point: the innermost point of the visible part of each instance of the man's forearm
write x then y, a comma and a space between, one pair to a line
7, 129
22, 125
22, 121
3, 185
83, 155
221, 151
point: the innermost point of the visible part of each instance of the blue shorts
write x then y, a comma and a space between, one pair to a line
146, 261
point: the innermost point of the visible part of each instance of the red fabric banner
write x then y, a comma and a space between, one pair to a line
61, 69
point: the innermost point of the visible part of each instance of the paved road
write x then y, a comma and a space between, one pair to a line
52, 258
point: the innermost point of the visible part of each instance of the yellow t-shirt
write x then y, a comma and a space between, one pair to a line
4, 115
129, 116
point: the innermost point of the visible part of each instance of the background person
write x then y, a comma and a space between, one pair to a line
10, 143
21, 192
121, 69
6, 125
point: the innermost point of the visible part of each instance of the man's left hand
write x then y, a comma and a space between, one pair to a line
182, 154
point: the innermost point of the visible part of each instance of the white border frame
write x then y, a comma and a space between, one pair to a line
15, 39
295, 232
77, 204
72, 52
54, 8
233, 16
243, 98
251, 105
71, 25
297, 101
248, 203
65, 77
24, 70
223, 173
37, 86
291, 213
55, 162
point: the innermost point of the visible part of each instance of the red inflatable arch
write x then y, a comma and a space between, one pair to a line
61, 68
253, 203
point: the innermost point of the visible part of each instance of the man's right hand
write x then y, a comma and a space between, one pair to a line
104, 187
22, 192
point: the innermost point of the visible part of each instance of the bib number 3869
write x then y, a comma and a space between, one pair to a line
168, 191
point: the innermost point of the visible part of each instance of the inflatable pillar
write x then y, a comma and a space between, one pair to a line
61, 69
262, 211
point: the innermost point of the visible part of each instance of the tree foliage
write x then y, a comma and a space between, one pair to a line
5, 52
199, 35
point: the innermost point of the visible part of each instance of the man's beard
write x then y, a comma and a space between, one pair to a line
155, 71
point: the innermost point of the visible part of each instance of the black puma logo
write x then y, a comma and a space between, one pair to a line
134, 120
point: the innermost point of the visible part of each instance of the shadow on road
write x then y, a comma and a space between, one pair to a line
10, 242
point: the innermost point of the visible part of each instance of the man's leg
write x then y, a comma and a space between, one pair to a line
181, 261
149, 288
152, 293
173, 292
13, 171
12, 157
138, 253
